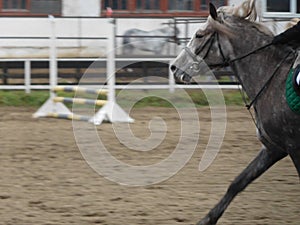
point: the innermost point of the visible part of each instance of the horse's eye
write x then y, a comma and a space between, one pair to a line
199, 36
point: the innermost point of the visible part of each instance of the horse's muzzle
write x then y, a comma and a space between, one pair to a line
179, 75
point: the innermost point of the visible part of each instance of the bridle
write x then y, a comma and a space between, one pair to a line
197, 60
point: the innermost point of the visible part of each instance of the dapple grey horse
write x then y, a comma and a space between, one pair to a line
261, 68
151, 41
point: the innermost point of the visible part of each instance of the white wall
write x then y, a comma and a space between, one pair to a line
64, 27
82, 8
77, 27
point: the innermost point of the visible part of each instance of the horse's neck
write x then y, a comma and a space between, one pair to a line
255, 70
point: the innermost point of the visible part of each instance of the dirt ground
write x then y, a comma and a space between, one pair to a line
45, 180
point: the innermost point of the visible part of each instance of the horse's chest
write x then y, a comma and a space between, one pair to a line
281, 126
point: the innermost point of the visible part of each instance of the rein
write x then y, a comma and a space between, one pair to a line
268, 81
249, 53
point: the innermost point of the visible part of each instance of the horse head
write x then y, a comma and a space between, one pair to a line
211, 46
201, 50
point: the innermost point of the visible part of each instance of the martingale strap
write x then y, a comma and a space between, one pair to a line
268, 81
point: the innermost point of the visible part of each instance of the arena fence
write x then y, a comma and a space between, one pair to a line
29, 64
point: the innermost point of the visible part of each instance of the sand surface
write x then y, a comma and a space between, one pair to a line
45, 179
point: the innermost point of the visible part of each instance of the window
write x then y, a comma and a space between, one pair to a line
45, 7
181, 5
278, 5
281, 8
147, 4
217, 3
159, 8
116, 4
30, 7
14, 4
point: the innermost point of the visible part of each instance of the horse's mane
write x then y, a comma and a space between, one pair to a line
229, 24
262, 28
292, 22
244, 12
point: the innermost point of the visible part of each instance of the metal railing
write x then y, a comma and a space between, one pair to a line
53, 67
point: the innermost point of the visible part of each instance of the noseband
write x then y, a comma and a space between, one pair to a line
197, 60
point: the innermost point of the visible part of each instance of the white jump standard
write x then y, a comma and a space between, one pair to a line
54, 106
110, 111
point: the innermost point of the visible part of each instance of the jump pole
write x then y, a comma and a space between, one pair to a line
69, 116
83, 101
80, 90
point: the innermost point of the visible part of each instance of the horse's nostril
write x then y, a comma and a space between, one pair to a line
173, 68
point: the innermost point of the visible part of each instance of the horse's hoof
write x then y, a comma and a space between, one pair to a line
206, 221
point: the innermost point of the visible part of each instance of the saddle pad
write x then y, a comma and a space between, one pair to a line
292, 98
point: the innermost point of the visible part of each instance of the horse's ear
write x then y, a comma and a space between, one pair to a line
245, 10
213, 11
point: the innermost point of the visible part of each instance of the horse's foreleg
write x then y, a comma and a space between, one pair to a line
264, 160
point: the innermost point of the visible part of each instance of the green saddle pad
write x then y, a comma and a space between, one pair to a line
292, 98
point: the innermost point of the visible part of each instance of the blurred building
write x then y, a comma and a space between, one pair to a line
96, 8
159, 8
137, 8
88, 19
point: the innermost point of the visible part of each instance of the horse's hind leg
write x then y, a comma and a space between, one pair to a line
295, 155
264, 160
